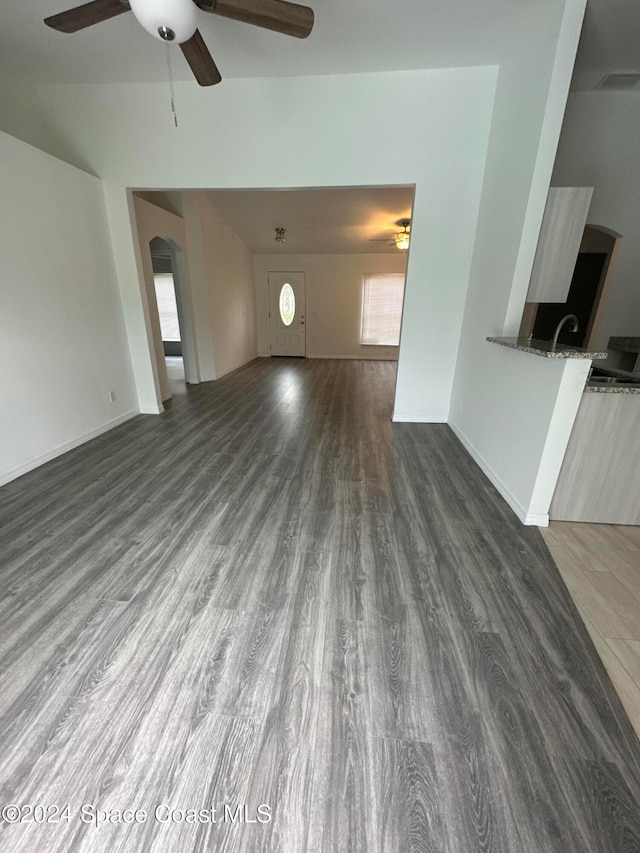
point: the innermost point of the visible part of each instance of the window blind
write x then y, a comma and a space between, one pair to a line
382, 297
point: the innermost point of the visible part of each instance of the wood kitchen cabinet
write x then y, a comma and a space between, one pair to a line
565, 217
599, 481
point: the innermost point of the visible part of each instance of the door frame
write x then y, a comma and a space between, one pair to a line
185, 314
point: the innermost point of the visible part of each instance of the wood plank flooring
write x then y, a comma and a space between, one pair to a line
600, 564
272, 596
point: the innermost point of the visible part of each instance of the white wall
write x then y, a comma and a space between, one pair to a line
599, 148
200, 290
530, 102
333, 300
228, 265
521, 434
63, 345
20, 111
428, 128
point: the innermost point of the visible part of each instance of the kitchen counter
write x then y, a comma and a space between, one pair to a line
544, 349
612, 389
599, 378
599, 481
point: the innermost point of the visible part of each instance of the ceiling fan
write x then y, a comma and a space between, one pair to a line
176, 20
400, 239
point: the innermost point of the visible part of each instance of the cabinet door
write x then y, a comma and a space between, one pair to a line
560, 236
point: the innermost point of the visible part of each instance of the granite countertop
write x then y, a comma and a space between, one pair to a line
603, 388
624, 344
543, 348
611, 389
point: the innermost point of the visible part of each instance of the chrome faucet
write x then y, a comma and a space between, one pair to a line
574, 328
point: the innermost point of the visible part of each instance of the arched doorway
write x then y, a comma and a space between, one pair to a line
176, 324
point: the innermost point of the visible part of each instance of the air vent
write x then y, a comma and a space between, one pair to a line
620, 80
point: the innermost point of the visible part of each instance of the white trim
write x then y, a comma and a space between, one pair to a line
235, 367
14, 473
418, 418
362, 357
526, 517
151, 410
534, 519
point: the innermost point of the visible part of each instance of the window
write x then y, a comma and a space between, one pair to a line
382, 297
287, 304
167, 308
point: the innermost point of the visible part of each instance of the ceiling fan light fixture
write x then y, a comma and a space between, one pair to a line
402, 237
162, 17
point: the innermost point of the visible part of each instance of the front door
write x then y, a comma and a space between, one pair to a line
286, 313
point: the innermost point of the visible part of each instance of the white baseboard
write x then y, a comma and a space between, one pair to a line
418, 418
355, 357
14, 473
150, 410
235, 367
526, 517
333, 355
534, 519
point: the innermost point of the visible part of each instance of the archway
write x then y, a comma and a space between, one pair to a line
177, 331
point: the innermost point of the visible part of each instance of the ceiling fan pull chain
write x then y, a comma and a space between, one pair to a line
171, 89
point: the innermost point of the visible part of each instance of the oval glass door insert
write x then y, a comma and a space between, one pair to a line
287, 304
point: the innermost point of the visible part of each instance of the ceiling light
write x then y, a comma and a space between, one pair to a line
280, 232
402, 237
168, 20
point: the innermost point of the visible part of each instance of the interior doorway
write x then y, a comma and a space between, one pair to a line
178, 346
166, 297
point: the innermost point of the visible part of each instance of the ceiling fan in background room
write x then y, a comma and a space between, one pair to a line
400, 239
177, 20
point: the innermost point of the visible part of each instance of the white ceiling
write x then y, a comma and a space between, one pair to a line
349, 36
610, 42
318, 221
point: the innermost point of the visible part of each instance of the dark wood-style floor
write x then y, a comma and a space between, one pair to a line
272, 595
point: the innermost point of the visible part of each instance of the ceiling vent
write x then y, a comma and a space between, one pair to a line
620, 80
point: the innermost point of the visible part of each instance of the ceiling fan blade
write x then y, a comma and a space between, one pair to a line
200, 60
87, 15
279, 15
